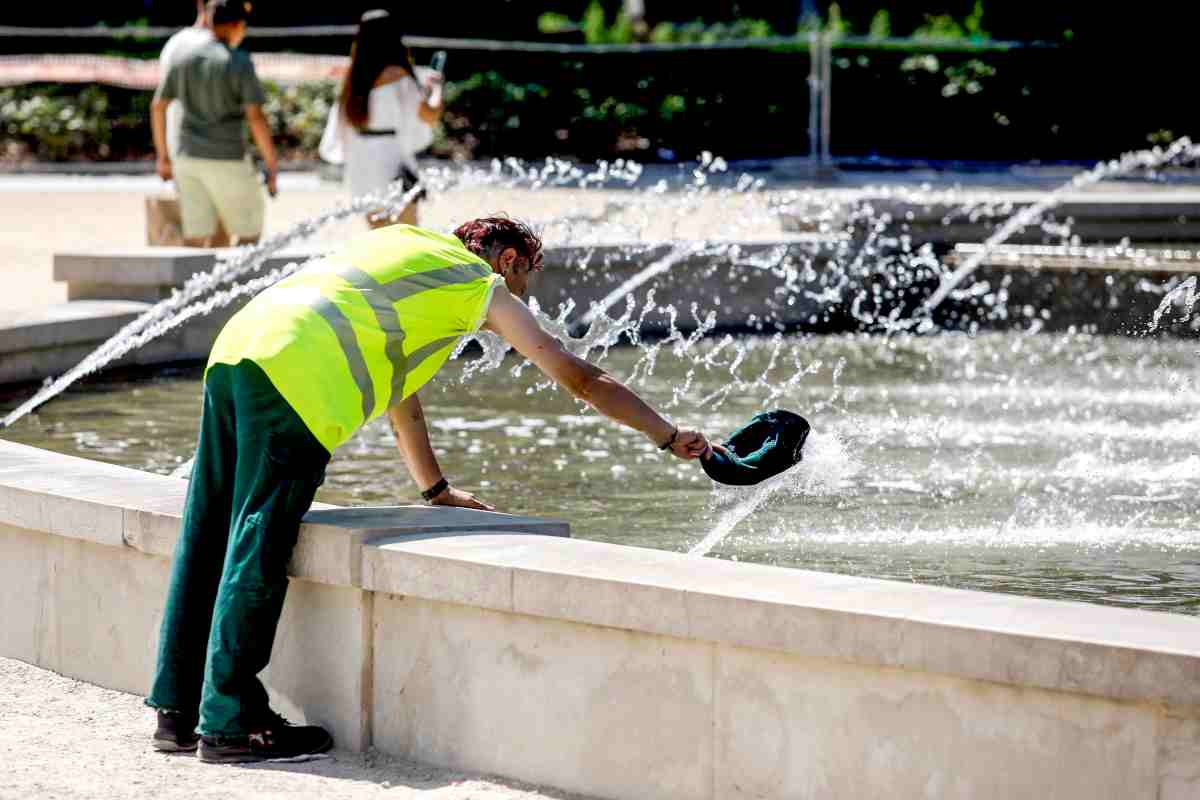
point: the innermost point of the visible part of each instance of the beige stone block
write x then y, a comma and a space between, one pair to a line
1179, 757
46, 330
789, 727
320, 667
328, 554
26, 600
774, 626
60, 515
407, 568
109, 604
153, 526
601, 584
596, 710
94, 612
619, 604
156, 266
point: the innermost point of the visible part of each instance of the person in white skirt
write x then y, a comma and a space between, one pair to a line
385, 115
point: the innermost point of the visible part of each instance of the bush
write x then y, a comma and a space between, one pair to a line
912, 102
98, 123
297, 115
56, 125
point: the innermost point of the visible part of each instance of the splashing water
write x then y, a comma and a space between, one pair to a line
677, 254
1185, 293
826, 464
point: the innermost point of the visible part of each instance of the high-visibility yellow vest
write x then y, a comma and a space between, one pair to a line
363, 328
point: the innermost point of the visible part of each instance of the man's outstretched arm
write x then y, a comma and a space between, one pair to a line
412, 437
512, 320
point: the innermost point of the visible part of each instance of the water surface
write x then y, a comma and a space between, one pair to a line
1062, 466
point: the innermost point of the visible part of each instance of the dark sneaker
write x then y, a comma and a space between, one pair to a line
282, 741
176, 733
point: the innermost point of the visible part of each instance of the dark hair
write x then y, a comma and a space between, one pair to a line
227, 12
485, 235
378, 44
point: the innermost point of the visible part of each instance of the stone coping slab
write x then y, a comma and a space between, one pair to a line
66, 324
153, 266
1080, 259
1109, 652
1080, 205
121, 507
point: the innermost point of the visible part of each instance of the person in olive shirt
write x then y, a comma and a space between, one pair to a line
220, 93
350, 337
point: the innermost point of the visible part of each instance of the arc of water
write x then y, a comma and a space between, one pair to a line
673, 257
1185, 291
1182, 149
730, 519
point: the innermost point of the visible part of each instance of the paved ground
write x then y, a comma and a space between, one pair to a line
42, 215
61, 738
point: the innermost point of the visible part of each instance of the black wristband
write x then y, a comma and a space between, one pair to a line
436, 489
670, 441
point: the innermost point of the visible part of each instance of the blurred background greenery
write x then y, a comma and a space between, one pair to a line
919, 80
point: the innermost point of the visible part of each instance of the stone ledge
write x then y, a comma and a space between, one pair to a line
1160, 262
120, 507
64, 324
149, 266
1107, 652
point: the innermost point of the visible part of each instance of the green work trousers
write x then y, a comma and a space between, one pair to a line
257, 469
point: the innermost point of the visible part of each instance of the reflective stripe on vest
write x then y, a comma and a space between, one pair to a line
344, 331
381, 298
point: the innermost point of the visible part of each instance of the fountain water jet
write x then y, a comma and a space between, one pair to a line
1180, 150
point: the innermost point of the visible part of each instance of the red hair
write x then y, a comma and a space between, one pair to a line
484, 235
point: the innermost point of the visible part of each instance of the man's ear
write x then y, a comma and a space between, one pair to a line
508, 258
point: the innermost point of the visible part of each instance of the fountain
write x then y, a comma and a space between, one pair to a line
991, 440
917, 461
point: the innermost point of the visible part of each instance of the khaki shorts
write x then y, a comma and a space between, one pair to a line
212, 189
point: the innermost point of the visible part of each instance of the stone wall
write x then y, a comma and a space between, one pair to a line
456, 638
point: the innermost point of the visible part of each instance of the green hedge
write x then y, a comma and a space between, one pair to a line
57, 124
1022, 105
100, 123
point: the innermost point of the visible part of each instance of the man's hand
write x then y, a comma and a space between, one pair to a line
163, 167
457, 497
260, 131
689, 445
